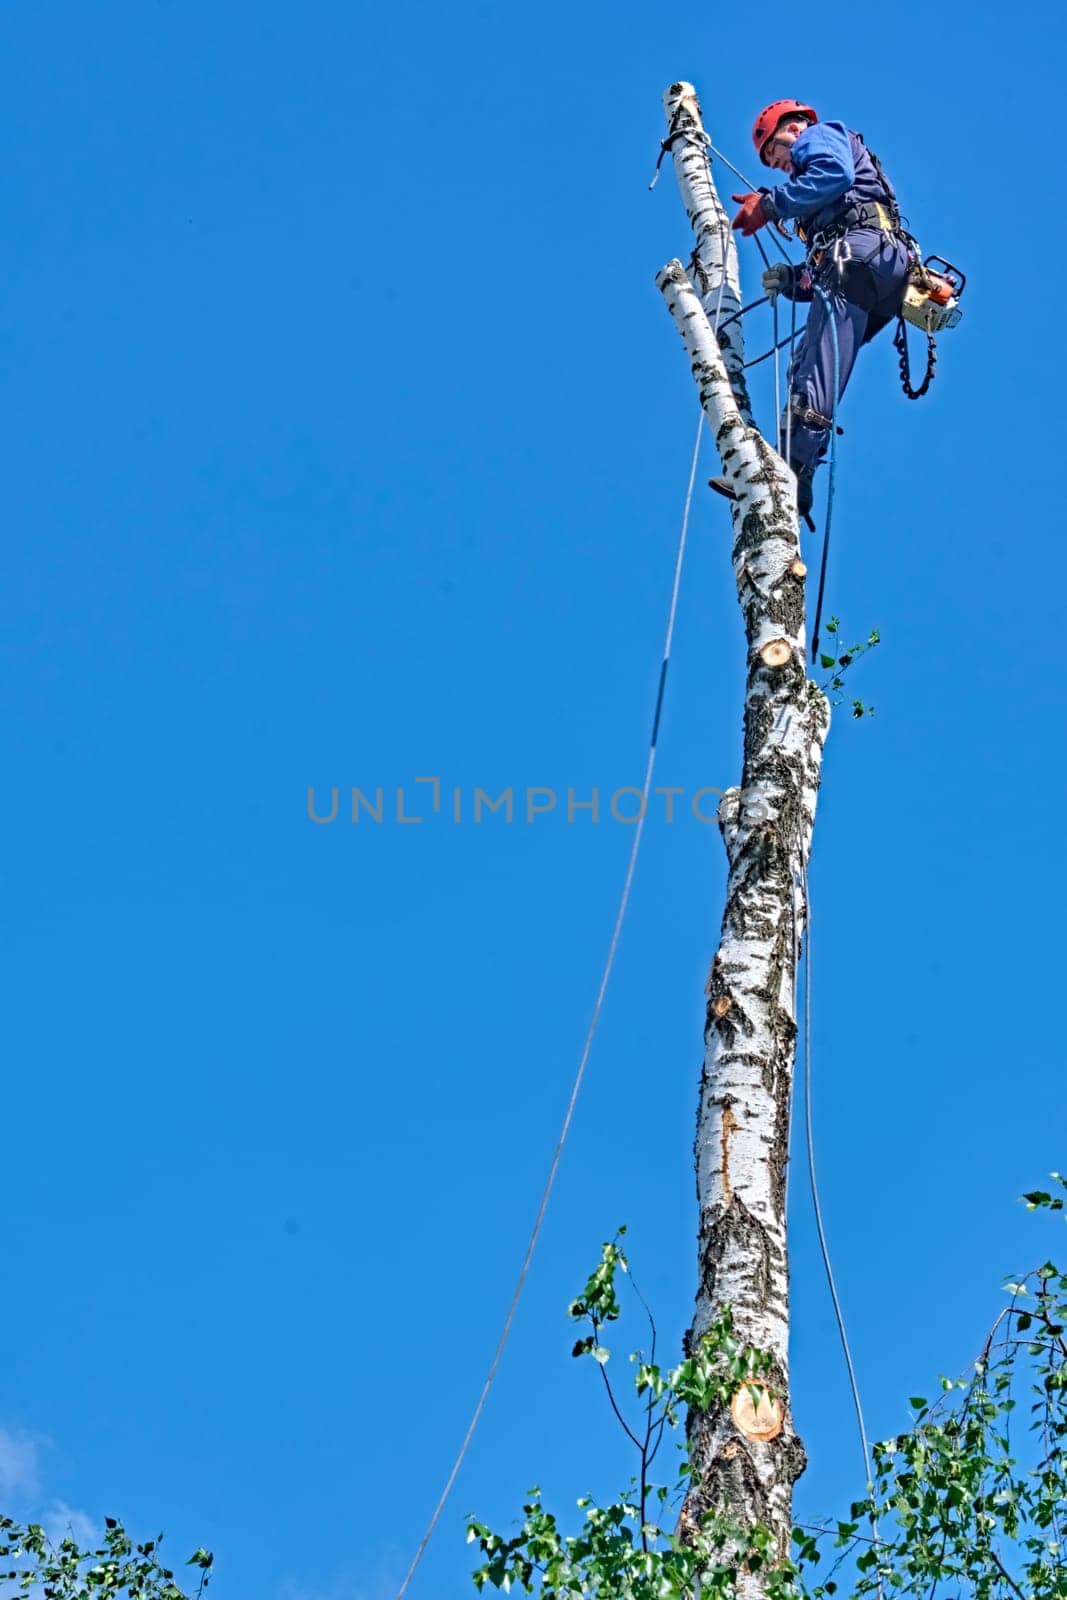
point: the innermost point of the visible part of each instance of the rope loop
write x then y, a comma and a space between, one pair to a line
697, 134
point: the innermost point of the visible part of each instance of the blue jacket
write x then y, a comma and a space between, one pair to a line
832, 171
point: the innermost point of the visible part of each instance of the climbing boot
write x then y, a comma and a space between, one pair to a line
723, 486
805, 490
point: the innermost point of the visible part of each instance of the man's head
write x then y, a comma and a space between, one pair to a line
777, 129
778, 151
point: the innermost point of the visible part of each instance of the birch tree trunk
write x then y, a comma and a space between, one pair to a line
747, 1459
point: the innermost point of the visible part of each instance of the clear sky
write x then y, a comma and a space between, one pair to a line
345, 442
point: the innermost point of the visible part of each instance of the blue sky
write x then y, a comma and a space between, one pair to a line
345, 442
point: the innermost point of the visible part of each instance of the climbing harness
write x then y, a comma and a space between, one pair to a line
881, 215
930, 302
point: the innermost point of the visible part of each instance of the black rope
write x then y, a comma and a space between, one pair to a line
680, 133
758, 242
822, 586
767, 353
752, 304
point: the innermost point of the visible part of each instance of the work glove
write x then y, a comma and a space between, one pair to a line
751, 217
778, 279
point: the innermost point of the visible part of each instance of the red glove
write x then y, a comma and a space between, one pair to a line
751, 217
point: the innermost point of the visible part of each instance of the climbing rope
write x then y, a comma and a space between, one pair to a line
821, 292
609, 963
789, 378
753, 188
734, 315
755, 361
775, 347
809, 1137
824, 1248
724, 243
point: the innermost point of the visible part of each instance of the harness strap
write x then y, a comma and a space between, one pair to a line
863, 214
867, 214
810, 417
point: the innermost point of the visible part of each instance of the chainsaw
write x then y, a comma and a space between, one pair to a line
932, 296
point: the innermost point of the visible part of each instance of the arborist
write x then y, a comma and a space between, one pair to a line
845, 210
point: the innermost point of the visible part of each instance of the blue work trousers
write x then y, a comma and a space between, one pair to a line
865, 288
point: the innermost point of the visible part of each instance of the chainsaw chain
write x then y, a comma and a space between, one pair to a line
900, 344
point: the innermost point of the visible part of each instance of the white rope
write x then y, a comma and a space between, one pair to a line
777, 376
821, 1231
580, 1074
789, 378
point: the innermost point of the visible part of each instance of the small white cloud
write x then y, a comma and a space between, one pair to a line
19, 1465
61, 1521
20, 1490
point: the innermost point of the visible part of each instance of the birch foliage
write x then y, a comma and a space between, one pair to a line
36, 1567
969, 1501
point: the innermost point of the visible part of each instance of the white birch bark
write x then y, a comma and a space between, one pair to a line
713, 264
766, 824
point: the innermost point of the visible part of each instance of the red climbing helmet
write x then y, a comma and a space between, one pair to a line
771, 116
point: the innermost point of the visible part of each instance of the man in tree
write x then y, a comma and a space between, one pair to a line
846, 212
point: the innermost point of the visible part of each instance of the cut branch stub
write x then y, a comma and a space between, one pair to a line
798, 568
722, 1005
776, 652
682, 97
761, 1422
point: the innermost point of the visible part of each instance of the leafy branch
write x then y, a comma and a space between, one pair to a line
64, 1571
623, 1549
842, 661
955, 1501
